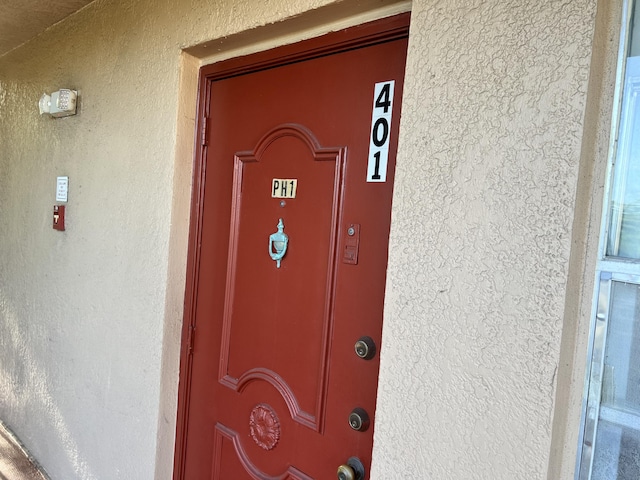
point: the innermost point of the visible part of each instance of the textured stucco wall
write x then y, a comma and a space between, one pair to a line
481, 236
578, 314
487, 172
90, 318
82, 313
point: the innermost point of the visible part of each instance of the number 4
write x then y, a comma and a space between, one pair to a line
384, 98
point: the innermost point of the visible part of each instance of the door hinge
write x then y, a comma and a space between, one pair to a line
204, 133
190, 339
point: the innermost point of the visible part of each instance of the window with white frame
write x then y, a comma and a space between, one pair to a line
610, 438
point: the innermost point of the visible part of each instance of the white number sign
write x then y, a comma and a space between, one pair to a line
380, 129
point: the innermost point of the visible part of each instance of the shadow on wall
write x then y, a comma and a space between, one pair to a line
15, 462
27, 387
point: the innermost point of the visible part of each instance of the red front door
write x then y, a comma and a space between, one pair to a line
288, 256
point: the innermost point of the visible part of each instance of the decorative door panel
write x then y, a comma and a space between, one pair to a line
231, 460
280, 336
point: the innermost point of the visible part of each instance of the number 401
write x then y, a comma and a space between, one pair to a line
380, 128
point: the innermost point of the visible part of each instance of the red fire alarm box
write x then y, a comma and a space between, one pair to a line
58, 217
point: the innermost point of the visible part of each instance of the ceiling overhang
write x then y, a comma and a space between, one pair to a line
21, 20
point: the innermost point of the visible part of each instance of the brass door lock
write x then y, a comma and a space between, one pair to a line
365, 348
359, 419
352, 470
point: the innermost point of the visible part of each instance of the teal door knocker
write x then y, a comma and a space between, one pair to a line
278, 244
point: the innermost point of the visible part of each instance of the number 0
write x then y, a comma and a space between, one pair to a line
377, 140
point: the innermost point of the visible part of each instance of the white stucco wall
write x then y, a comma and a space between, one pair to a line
487, 174
481, 237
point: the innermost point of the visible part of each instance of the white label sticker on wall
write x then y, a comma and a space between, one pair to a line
380, 131
284, 187
62, 188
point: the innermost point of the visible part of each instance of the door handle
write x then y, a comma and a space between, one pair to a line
278, 243
352, 470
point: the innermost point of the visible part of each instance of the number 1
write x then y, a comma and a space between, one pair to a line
376, 168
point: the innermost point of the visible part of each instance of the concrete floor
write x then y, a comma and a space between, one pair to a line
15, 463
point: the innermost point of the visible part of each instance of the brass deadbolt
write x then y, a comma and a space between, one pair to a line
359, 419
365, 348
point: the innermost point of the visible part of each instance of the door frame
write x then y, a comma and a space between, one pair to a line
378, 31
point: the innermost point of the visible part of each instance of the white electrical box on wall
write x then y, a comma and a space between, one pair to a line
59, 104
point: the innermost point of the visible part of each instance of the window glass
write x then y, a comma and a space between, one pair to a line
617, 444
610, 436
624, 211
624, 228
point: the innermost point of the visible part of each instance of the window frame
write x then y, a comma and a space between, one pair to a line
609, 269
